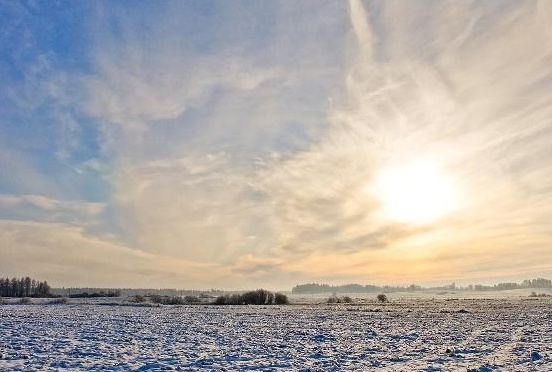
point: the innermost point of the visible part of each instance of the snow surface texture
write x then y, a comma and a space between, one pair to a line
405, 335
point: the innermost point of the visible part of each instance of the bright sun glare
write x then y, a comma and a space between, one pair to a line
415, 192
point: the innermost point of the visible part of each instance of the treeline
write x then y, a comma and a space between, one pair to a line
533, 283
313, 288
101, 293
24, 287
129, 292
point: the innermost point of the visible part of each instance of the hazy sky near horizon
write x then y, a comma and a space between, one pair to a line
240, 144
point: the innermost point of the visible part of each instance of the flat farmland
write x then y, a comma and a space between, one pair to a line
402, 335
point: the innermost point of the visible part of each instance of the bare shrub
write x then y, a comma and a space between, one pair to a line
535, 294
166, 300
138, 299
280, 299
221, 300
192, 299
174, 300
226, 299
334, 299
59, 301
382, 298
156, 299
346, 299
257, 297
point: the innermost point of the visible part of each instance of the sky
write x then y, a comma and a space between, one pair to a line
245, 144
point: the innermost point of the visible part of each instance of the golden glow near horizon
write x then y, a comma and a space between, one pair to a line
415, 192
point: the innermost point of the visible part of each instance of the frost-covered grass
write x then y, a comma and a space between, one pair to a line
401, 335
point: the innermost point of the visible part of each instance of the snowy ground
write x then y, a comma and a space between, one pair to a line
403, 335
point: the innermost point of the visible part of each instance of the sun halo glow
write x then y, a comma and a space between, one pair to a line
415, 192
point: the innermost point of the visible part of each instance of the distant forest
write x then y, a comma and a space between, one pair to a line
24, 287
127, 292
313, 288
28, 287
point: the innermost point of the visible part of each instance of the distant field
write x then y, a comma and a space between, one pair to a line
429, 294
513, 334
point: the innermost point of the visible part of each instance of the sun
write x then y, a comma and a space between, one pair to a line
415, 192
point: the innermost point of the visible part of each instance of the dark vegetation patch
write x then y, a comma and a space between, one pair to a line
257, 297
334, 299
535, 294
113, 293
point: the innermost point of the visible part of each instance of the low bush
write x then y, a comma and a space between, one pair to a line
138, 299
58, 301
333, 299
280, 299
192, 299
174, 300
114, 293
347, 299
24, 301
166, 300
156, 299
382, 298
535, 294
227, 300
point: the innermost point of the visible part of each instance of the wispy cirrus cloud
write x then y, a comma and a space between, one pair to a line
38, 208
449, 91
184, 126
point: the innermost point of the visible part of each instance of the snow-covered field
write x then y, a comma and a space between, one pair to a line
403, 335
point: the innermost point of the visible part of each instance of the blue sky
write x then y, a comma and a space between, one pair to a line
236, 144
